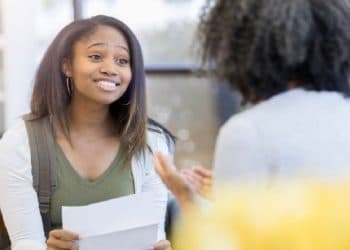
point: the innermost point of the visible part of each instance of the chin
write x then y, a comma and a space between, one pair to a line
107, 99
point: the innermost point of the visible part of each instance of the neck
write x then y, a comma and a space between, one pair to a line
87, 118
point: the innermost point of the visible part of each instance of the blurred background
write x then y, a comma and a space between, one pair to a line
191, 107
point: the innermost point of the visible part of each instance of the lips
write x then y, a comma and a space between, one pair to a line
107, 85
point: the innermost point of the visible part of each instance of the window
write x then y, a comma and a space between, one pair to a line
165, 28
46, 27
27, 27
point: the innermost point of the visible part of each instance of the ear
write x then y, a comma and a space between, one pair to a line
67, 67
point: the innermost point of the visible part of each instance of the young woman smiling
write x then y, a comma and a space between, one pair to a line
91, 85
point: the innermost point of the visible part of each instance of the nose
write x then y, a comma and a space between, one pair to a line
109, 67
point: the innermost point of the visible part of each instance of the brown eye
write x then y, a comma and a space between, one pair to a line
95, 57
122, 61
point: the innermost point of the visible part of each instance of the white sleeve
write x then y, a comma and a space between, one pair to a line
18, 199
152, 183
239, 155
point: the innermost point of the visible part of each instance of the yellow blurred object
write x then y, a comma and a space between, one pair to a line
291, 216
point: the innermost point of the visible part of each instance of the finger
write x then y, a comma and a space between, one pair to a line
54, 248
202, 190
54, 243
203, 186
185, 171
64, 235
184, 177
204, 180
207, 181
161, 245
194, 182
206, 192
188, 181
190, 175
203, 172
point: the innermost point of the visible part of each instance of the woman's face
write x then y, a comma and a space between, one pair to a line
100, 67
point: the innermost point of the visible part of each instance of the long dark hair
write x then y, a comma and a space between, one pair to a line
259, 46
51, 97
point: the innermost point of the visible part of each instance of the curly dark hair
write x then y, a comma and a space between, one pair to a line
260, 46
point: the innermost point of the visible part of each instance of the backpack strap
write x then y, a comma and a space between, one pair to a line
43, 159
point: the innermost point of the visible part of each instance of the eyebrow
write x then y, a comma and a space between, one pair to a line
104, 44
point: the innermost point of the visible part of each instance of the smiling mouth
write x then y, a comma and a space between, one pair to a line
108, 86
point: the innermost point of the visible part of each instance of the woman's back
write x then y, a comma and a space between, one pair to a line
294, 134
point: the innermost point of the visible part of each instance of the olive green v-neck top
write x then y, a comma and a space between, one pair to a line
73, 190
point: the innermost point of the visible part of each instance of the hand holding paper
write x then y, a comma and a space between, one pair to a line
126, 223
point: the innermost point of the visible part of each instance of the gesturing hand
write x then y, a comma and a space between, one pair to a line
201, 180
174, 181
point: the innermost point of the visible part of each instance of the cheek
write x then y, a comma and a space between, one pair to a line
82, 69
127, 76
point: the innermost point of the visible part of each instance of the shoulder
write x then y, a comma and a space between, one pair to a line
14, 148
264, 115
18, 129
240, 152
246, 129
15, 136
237, 133
238, 142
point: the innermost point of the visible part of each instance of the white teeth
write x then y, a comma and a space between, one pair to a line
107, 86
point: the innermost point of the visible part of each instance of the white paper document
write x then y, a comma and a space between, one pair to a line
126, 223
